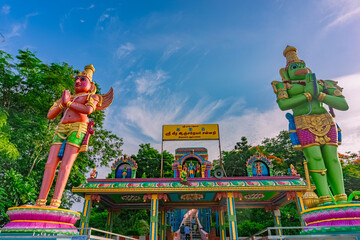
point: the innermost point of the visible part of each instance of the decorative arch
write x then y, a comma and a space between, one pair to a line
259, 165
191, 155
121, 163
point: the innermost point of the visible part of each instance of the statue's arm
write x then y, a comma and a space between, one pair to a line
55, 110
334, 98
283, 100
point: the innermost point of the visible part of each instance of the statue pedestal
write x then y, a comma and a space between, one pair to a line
343, 218
26, 219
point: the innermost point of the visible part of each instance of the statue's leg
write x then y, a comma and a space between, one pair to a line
49, 174
67, 162
317, 171
334, 172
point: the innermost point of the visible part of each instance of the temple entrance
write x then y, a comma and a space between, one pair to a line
203, 198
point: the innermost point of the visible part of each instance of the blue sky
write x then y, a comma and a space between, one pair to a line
177, 62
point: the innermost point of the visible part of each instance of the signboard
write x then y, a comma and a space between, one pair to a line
191, 132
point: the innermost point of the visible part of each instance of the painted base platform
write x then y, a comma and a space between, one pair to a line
344, 218
41, 219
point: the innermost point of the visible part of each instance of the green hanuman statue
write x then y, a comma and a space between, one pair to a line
312, 127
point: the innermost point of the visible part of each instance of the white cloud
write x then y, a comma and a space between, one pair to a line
141, 120
18, 28
15, 31
171, 50
349, 121
5, 9
103, 17
340, 12
147, 82
67, 15
124, 50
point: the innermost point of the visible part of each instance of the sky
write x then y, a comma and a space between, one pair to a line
194, 62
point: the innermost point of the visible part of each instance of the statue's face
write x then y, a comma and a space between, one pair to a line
82, 85
297, 71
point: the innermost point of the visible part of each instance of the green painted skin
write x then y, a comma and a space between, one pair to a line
318, 157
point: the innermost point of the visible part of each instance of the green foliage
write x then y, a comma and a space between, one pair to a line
235, 160
8, 150
251, 221
28, 88
281, 147
128, 222
149, 160
351, 172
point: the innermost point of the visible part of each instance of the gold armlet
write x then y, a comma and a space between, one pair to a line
61, 106
68, 104
53, 106
321, 97
338, 93
282, 95
322, 172
308, 96
91, 104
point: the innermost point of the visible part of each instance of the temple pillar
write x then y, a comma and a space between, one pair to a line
277, 220
109, 222
217, 222
162, 225
232, 216
222, 224
300, 206
85, 216
154, 216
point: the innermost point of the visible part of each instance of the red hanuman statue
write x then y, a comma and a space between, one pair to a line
72, 133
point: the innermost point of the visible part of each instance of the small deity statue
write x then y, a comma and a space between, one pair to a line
94, 173
72, 133
198, 169
191, 169
258, 168
124, 173
183, 176
293, 171
312, 129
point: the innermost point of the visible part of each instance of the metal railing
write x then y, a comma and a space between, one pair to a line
272, 233
51, 233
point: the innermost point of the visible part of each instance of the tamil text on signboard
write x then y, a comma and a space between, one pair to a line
191, 132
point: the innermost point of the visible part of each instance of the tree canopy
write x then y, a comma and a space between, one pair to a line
149, 160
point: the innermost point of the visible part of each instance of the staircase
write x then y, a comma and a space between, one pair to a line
194, 230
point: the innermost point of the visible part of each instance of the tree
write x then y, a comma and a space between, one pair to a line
281, 147
28, 88
351, 171
136, 223
234, 162
149, 159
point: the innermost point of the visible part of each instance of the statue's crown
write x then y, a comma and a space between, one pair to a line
88, 72
291, 55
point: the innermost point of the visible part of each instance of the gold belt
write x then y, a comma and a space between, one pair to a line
317, 124
69, 128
